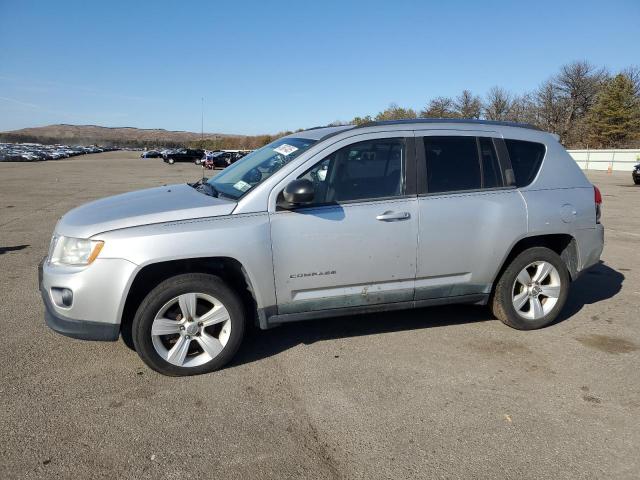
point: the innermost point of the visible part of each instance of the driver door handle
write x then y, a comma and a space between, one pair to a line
390, 216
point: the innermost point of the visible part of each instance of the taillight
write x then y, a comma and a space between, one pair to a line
597, 197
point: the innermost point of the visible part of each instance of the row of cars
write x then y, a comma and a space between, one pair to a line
35, 152
207, 158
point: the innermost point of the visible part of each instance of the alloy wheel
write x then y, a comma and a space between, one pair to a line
191, 329
536, 290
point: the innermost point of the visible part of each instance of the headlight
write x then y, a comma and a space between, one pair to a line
74, 251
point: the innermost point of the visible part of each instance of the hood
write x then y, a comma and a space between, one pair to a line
142, 207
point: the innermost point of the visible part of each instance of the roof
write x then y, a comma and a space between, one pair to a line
317, 133
320, 133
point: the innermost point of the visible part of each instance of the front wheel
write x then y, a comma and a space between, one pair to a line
532, 290
636, 181
171, 161
188, 325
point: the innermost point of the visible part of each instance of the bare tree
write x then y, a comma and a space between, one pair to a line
523, 109
468, 105
439, 107
550, 108
497, 104
579, 83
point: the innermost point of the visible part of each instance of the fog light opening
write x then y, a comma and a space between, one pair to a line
62, 297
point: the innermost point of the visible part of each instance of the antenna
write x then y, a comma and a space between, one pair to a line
202, 132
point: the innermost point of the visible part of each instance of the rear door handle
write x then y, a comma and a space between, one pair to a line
390, 216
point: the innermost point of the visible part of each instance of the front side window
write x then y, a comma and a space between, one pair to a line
526, 158
362, 171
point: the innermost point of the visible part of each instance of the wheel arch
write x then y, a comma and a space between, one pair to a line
149, 276
563, 244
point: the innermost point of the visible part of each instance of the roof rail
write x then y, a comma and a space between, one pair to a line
450, 120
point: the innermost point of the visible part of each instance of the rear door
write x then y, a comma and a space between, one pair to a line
470, 213
355, 245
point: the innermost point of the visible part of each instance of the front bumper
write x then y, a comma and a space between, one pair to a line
81, 329
98, 298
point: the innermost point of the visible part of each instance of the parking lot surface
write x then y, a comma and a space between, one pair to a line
434, 393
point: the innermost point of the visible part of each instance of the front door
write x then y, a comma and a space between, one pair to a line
355, 245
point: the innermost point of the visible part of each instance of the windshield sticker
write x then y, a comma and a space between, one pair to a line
242, 186
285, 149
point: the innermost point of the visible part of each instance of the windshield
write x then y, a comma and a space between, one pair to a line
241, 176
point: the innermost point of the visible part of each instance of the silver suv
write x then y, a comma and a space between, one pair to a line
327, 222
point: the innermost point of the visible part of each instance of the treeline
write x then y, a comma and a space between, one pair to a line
230, 142
240, 142
587, 106
11, 137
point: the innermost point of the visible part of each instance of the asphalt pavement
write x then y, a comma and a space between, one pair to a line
444, 392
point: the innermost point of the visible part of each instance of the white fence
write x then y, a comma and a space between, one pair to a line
620, 160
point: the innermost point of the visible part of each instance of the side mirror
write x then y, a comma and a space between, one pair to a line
299, 192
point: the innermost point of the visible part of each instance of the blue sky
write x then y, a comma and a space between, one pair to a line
268, 66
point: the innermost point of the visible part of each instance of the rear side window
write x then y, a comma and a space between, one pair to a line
526, 158
452, 164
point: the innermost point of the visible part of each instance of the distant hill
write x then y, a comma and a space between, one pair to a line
123, 136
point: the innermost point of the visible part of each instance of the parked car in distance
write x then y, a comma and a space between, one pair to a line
150, 154
35, 152
406, 214
219, 159
635, 174
183, 155
223, 158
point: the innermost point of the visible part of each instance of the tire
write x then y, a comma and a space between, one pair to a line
197, 161
636, 181
542, 301
171, 161
172, 343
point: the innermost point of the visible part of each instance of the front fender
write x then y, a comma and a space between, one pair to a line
245, 238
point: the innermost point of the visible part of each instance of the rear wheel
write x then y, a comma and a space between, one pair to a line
171, 161
188, 325
636, 181
532, 290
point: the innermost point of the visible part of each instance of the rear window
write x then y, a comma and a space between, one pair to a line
526, 158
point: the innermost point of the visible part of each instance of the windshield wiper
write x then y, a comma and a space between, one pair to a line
199, 182
203, 186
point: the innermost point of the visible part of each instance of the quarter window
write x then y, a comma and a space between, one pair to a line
362, 171
526, 158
